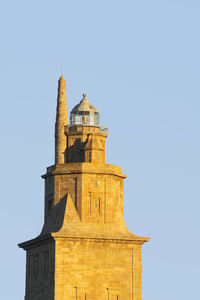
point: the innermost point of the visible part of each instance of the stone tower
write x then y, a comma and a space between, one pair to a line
85, 251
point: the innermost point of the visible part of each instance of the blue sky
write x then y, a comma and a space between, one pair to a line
138, 62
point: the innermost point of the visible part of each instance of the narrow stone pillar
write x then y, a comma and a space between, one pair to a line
61, 121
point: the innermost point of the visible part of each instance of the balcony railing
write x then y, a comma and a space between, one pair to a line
103, 129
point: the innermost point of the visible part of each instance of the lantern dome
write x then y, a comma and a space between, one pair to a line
84, 113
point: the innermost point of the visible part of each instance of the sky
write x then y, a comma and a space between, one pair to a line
139, 63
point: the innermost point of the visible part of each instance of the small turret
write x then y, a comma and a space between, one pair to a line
86, 138
84, 113
61, 121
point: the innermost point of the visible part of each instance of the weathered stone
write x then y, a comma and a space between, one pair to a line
85, 250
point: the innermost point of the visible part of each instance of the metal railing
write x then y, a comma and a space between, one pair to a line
103, 129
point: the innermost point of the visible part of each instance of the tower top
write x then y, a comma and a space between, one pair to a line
61, 82
84, 113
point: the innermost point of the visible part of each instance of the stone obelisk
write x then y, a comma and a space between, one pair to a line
61, 121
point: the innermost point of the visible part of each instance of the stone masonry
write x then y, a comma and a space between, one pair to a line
85, 251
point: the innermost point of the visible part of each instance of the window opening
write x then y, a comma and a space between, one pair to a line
90, 203
99, 205
35, 267
49, 205
75, 192
46, 263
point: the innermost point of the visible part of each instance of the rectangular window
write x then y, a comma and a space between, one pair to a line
75, 187
90, 203
90, 156
35, 267
99, 205
96, 118
91, 119
49, 205
46, 263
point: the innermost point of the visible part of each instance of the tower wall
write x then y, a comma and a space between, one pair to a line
40, 271
96, 191
85, 144
97, 270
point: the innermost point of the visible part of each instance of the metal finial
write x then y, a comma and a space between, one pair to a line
61, 67
84, 95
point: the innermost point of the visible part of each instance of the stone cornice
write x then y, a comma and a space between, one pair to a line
84, 168
53, 236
